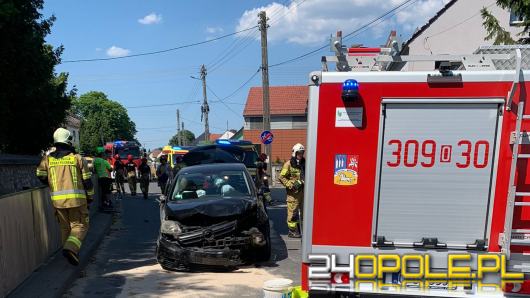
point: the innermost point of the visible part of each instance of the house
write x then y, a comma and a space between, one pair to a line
457, 29
73, 124
214, 136
288, 112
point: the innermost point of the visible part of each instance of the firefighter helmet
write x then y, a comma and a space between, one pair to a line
297, 148
62, 135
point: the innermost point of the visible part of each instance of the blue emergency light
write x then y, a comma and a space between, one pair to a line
223, 142
350, 90
232, 142
177, 148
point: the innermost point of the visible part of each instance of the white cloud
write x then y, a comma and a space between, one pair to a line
150, 19
312, 22
214, 30
115, 51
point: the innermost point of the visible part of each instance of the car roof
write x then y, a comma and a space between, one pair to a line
213, 166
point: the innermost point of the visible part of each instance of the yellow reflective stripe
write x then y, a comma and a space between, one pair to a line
75, 241
87, 175
69, 196
65, 161
90, 192
53, 185
292, 224
73, 170
42, 173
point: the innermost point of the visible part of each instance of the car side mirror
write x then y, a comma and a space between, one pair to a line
162, 199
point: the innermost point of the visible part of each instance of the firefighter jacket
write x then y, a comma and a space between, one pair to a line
292, 175
68, 176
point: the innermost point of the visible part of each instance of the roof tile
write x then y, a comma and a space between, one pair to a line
284, 100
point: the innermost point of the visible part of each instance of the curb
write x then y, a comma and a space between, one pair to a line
54, 277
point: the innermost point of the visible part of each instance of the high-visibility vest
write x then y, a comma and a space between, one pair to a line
65, 176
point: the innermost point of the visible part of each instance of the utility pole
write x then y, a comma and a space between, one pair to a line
184, 141
265, 79
179, 139
205, 108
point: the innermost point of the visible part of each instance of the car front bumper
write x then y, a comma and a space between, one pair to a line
172, 255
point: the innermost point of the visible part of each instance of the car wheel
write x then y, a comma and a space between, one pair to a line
263, 254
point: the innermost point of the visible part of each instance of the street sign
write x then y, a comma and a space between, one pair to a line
266, 137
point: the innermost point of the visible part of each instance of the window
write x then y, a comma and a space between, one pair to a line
515, 19
211, 184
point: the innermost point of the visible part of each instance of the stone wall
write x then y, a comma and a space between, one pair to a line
17, 173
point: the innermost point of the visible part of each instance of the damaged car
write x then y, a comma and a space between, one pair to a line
212, 215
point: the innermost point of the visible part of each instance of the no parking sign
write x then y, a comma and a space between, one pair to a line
266, 137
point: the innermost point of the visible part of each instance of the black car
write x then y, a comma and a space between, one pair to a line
212, 215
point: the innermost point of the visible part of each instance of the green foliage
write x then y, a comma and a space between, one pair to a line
518, 7
103, 120
495, 30
33, 99
186, 136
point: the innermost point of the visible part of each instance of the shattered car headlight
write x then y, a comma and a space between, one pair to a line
170, 227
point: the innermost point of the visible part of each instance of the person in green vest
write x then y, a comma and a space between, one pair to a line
103, 169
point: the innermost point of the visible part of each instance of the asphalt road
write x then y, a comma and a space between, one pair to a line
125, 263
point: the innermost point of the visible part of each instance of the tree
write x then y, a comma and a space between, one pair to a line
187, 137
33, 98
103, 120
497, 32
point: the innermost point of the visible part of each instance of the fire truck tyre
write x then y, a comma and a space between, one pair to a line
263, 254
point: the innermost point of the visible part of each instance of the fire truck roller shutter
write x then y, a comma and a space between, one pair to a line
436, 171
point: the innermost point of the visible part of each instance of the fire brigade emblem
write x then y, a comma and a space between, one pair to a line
346, 168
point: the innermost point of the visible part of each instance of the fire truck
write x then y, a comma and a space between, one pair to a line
123, 149
429, 162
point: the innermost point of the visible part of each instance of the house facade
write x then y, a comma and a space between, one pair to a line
457, 29
288, 112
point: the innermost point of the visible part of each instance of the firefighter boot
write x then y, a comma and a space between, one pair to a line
294, 234
71, 257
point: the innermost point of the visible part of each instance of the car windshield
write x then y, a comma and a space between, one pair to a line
211, 183
124, 152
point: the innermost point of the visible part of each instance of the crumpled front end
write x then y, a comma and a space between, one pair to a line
221, 244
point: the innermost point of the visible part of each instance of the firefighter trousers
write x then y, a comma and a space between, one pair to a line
144, 186
74, 226
295, 203
132, 184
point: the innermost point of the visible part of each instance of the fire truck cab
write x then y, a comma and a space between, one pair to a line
404, 162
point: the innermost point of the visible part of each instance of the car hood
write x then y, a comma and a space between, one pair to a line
206, 211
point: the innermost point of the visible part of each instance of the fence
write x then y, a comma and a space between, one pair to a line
29, 234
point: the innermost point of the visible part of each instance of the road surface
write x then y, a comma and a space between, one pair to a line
125, 263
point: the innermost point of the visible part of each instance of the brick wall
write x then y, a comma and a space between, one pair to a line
284, 140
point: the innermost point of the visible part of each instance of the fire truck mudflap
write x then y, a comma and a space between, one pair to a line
410, 166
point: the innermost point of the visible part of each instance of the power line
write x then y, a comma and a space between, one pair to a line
164, 104
160, 51
229, 108
390, 12
241, 86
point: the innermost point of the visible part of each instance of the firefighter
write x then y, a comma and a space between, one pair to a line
145, 173
292, 177
119, 174
69, 179
163, 173
263, 182
130, 168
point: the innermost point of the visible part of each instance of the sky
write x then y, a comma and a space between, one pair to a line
113, 29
